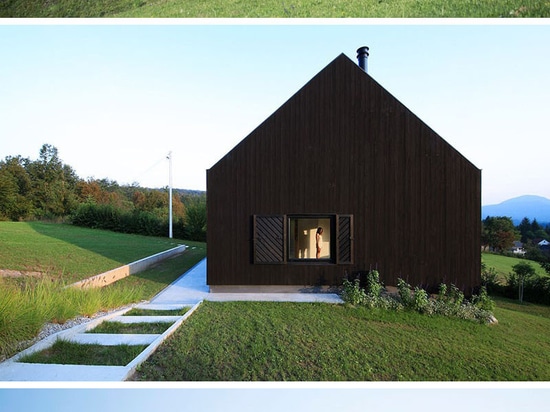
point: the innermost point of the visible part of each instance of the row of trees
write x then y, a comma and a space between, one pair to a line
499, 233
46, 188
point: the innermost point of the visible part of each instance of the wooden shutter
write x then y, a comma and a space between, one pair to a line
269, 239
345, 239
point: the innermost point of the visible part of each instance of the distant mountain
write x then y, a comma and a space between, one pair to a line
532, 207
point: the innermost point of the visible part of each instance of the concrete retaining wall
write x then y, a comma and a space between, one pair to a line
113, 275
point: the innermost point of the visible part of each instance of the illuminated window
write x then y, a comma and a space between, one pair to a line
309, 238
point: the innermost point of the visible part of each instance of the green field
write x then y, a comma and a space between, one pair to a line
274, 8
503, 265
274, 341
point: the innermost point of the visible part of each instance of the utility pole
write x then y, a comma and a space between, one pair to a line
169, 157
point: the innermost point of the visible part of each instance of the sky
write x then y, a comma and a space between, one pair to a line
301, 399
115, 98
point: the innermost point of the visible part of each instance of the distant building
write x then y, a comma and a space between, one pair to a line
517, 248
346, 156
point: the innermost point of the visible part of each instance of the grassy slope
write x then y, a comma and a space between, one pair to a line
320, 342
503, 264
61, 249
23, 312
71, 252
274, 8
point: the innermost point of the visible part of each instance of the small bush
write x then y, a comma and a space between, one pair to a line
483, 301
374, 286
353, 293
450, 301
405, 293
420, 300
489, 279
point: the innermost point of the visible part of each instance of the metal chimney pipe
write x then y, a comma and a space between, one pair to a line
362, 55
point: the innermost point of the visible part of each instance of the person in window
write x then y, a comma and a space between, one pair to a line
318, 241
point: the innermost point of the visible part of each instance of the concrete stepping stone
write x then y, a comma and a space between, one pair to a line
146, 319
113, 339
63, 373
163, 306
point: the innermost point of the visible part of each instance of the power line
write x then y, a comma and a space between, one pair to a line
162, 159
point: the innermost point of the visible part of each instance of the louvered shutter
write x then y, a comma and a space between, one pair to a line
269, 239
345, 239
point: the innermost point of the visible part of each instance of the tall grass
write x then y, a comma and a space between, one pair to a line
25, 309
25, 306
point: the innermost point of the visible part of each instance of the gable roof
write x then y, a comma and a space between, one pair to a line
343, 76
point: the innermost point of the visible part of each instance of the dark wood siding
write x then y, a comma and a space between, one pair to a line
344, 145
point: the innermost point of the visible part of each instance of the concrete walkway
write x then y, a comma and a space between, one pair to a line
189, 290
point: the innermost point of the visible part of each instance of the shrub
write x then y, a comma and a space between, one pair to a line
416, 300
405, 293
489, 278
450, 301
141, 222
536, 289
420, 300
374, 286
483, 301
353, 293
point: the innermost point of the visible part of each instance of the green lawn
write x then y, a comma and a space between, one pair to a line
250, 341
69, 353
274, 8
503, 264
69, 252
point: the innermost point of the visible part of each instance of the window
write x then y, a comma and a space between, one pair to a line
310, 238
280, 239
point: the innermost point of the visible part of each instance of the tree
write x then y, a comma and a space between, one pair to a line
53, 184
195, 220
526, 231
537, 232
15, 189
498, 233
522, 270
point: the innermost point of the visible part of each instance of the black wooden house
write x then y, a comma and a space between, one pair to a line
346, 156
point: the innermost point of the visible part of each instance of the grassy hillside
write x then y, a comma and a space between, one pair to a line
69, 252
321, 342
503, 264
274, 8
